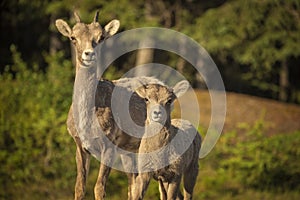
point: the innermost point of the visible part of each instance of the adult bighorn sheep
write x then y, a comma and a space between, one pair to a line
170, 147
85, 37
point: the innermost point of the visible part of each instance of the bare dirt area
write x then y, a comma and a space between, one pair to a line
241, 109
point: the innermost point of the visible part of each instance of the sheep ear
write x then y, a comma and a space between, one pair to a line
112, 27
141, 91
63, 27
180, 88
77, 18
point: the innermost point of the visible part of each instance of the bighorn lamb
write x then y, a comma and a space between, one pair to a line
169, 148
85, 37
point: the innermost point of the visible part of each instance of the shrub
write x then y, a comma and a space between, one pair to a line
34, 145
260, 162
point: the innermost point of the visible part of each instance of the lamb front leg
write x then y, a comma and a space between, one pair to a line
129, 165
163, 188
173, 189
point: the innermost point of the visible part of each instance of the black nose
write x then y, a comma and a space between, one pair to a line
157, 112
89, 53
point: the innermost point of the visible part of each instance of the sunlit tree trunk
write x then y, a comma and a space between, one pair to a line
144, 55
283, 81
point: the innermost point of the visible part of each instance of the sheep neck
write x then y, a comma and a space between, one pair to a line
84, 101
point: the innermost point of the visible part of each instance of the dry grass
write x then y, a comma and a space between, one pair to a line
245, 109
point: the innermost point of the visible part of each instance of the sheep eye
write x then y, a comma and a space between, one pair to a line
73, 39
146, 100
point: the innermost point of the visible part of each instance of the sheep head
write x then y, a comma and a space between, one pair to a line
85, 37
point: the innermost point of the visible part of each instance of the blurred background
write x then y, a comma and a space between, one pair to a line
255, 44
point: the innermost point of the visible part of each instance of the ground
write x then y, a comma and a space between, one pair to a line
244, 109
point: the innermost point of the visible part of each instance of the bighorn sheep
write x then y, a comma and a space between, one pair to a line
170, 147
85, 37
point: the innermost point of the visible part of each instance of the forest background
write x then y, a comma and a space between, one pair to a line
255, 45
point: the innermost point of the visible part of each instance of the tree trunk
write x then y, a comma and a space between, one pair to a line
283, 81
143, 56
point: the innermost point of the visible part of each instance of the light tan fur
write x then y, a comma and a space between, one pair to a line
85, 37
159, 99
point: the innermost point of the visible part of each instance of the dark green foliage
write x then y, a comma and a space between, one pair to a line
35, 146
252, 160
254, 38
254, 43
37, 154
249, 40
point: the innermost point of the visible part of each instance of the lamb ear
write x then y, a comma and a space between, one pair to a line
141, 91
112, 27
180, 88
96, 16
63, 27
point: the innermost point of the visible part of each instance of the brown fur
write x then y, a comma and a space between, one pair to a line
185, 166
85, 37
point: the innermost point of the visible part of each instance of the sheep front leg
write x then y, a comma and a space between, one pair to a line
99, 189
131, 179
140, 186
83, 164
107, 158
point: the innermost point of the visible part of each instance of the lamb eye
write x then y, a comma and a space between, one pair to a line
169, 102
94, 43
102, 37
146, 100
